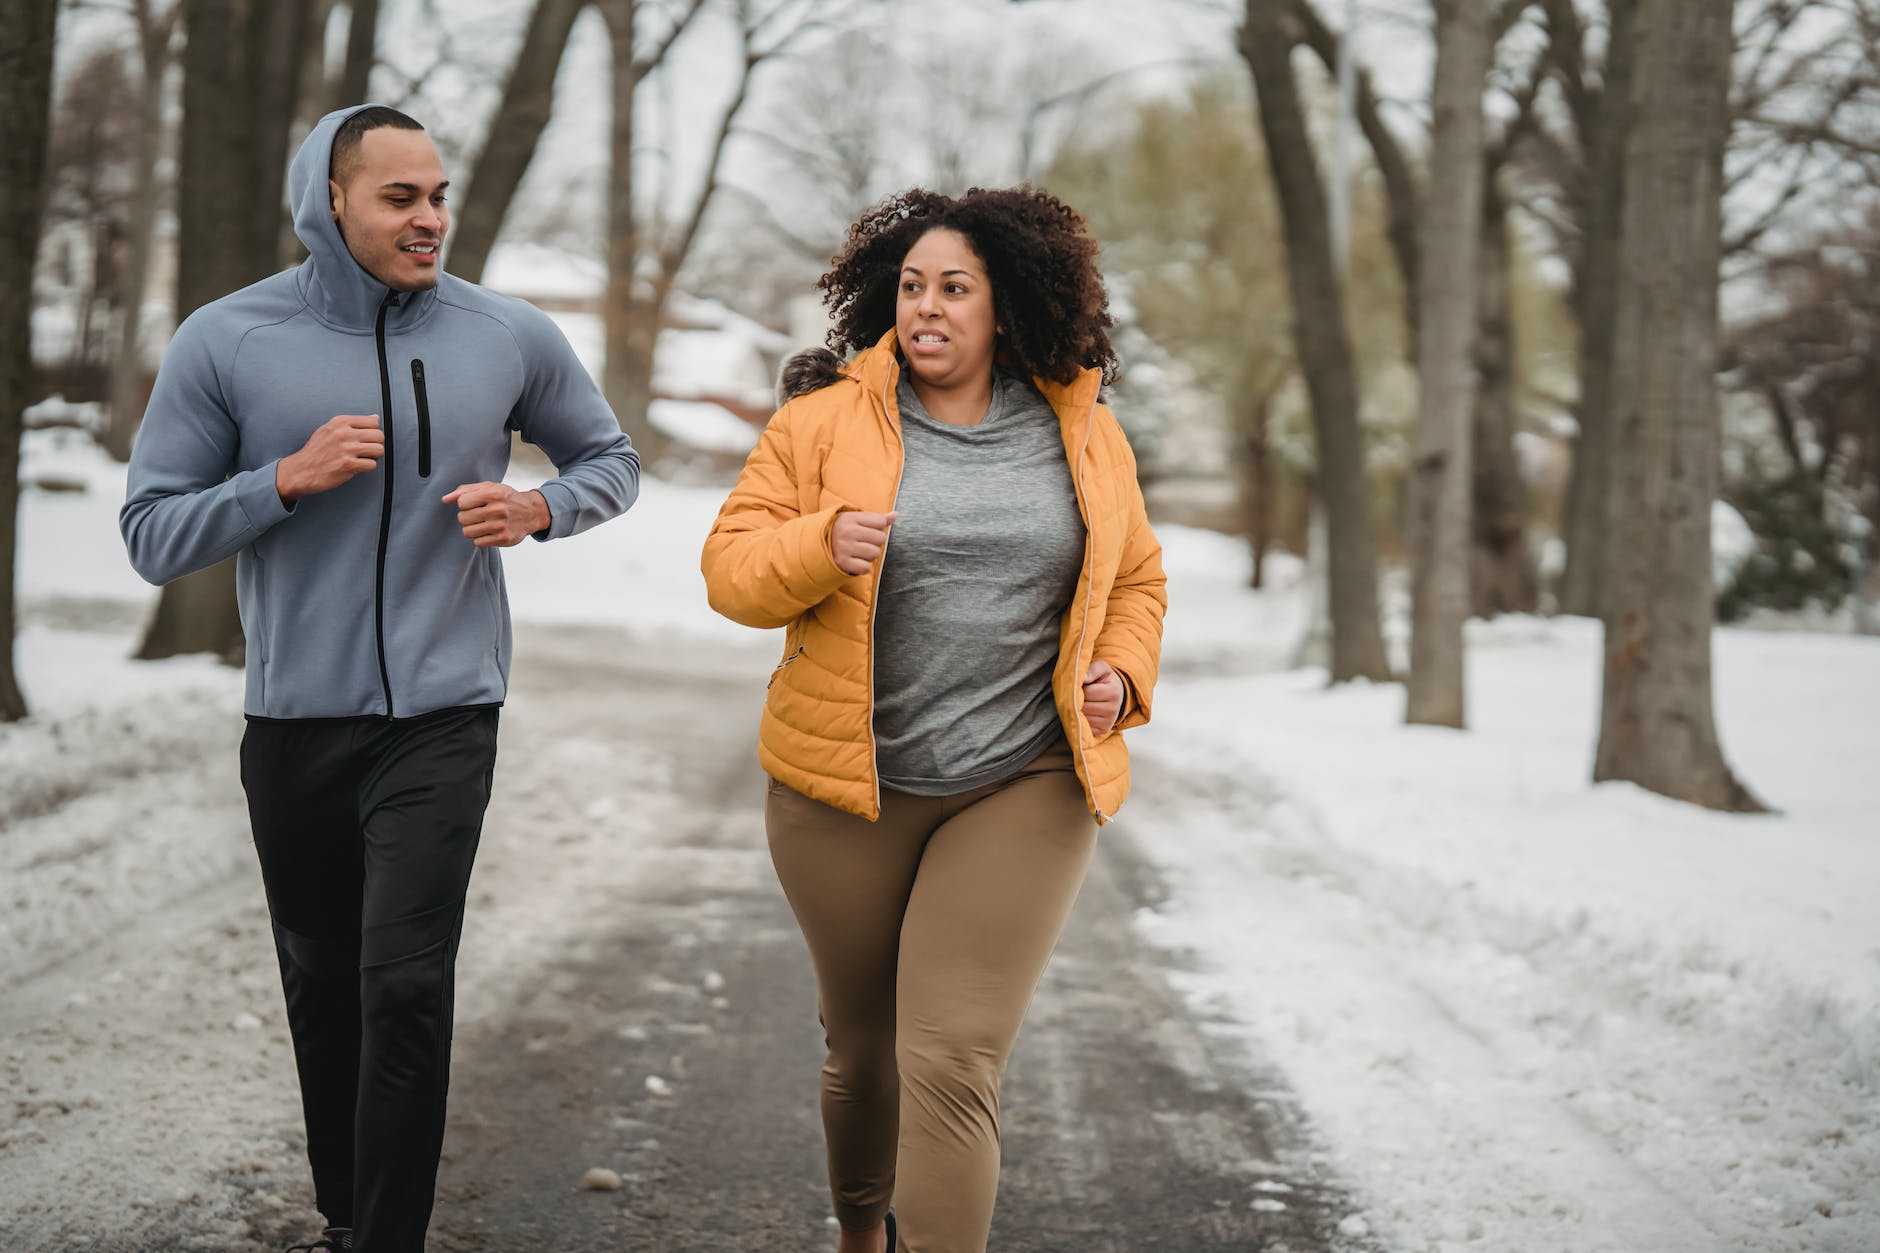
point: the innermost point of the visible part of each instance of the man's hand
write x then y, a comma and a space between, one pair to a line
496, 515
342, 448
858, 538
1103, 697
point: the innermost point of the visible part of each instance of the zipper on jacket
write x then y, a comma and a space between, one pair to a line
424, 418
778, 668
385, 511
874, 600
1083, 625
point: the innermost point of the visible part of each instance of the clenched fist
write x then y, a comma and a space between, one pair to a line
1103, 697
857, 539
496, 515
341, 449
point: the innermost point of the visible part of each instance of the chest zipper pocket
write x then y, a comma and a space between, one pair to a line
424, 418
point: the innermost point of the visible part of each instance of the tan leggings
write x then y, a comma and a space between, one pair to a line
929, 930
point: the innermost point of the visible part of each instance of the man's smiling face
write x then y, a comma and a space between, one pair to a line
389, 204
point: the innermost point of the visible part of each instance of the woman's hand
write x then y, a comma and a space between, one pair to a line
1103, 697
857, 539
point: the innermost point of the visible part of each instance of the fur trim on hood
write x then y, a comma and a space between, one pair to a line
808, 371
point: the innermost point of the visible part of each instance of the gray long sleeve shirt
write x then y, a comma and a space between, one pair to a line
982, 561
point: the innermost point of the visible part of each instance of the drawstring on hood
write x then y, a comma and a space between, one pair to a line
343, 293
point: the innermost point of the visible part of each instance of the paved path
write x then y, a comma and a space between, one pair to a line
1125, 1130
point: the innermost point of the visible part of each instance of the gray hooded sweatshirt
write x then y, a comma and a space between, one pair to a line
366, 599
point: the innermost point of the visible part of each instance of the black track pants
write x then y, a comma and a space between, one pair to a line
366, 830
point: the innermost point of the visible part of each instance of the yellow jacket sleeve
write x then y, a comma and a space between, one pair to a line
765, 560
1131, 636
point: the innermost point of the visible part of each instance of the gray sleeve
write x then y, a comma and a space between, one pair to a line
563, 413
184, 510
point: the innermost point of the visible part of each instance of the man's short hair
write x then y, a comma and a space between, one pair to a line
353, 130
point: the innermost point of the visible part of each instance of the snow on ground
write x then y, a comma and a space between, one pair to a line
639, 573
129, 732
1521, 1011
142, 1051
1527, 1011
703, 424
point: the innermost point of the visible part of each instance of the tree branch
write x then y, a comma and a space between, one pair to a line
642, 66
1401, 192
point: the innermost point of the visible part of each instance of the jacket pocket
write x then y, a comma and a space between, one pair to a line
779, 667
424, 418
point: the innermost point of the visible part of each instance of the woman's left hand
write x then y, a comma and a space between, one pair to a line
1103, 697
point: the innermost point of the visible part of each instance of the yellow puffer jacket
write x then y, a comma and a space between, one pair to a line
768, 563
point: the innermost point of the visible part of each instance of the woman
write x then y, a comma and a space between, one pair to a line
941, 733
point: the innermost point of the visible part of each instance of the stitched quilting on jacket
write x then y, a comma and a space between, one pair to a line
835, 446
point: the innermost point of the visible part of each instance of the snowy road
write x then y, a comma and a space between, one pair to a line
1512, 1009
633, 996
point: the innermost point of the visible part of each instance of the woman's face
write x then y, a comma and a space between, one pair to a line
943, 315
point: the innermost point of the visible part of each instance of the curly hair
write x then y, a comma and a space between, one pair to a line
1046, 288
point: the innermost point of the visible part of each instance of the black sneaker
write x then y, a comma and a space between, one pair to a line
332, 1240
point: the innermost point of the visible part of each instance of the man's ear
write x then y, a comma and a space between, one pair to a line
337, 196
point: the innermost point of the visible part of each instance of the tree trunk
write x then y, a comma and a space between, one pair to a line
213, 194
1441, 471
25, 121
275, 30
1602, 209
229, 188
1657, 728
1502, 578
629, 386
97, 279
362, 30
627, 379
318, 85
1256, 483
1324, 347
127, 369
515, 129
1402, 199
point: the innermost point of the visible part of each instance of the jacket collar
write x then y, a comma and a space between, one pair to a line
878, 370
335, 286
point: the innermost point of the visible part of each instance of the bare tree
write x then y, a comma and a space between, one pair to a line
229, 206
1194, 264
1402, 195
362, 30
1441, 469
91, 149
630, 310
156, 30
1592, 172
515, 129
1267, 39
1810, 359
1657, 728
1804, 77
1503, 577
646, 251
25, 114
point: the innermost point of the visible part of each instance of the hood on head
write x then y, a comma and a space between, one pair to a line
333, 282
307, 195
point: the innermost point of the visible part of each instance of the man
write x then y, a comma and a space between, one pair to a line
342, 429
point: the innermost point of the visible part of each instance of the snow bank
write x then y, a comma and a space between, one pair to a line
1528, 1011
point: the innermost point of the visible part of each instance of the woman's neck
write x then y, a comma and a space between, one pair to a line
962, 404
